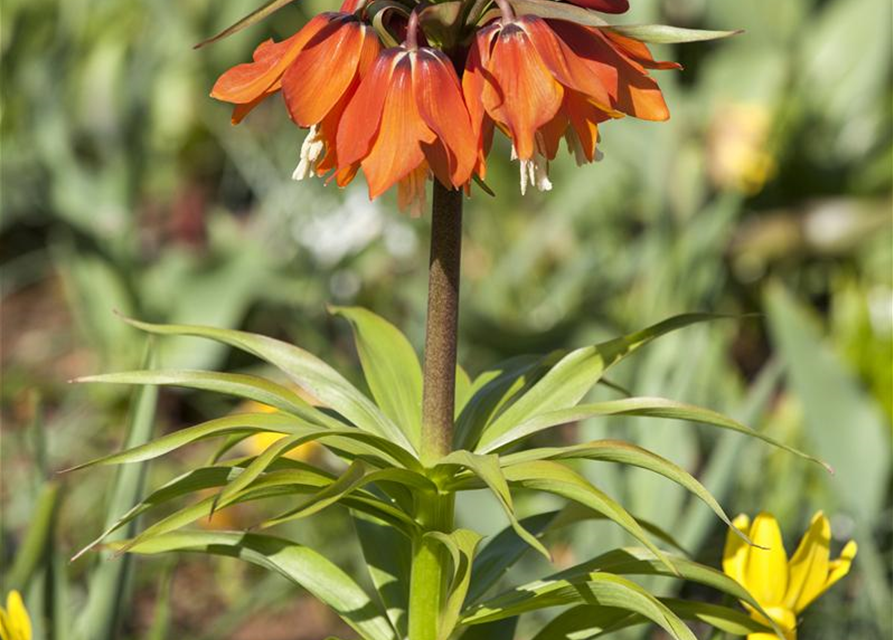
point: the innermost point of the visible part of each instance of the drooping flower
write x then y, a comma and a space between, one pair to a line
541, 80
408, 121
317, 70
15, 624
784, 588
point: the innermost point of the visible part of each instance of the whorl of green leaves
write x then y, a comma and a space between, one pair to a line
377, 438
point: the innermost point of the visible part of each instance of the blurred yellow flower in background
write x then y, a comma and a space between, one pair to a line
739, 158
15, 624
784, 587
258, 443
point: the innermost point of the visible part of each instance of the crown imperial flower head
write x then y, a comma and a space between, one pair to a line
407, 99
784, 587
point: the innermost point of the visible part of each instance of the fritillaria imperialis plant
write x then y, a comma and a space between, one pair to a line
410, 93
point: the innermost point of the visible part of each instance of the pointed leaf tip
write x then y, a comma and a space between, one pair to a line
665, 34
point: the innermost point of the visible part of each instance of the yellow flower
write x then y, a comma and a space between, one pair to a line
784, 587
259, 442
14, 621
739, 154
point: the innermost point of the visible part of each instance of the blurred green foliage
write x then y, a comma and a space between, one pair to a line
768, 192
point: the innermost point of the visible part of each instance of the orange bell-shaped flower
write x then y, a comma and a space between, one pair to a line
406, 121
318, 70
543, 80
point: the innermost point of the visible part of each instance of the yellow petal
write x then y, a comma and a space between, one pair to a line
809, 565
734, 556
782, 616
17, 617
766, 573
840, 567
260, 442
5, 632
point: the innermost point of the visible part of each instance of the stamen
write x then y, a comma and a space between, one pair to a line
311, 153
534, 171
575, 146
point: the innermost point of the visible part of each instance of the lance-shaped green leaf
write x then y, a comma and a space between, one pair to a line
382, 452
556, 478
584, 622
185, 484
389, 562
461, 544
628, 454
487, 469
489, 392
346, 482
355, 477
283, 482
502, 551
34, 546
290, 477
632, 561
267, 9
574, 375
391, 368
647, 407
575, 512
297, 563
463, 389
100, 615
602, 589
498, 630
243, 423
239, 385
306, 370
254, 470
664, 34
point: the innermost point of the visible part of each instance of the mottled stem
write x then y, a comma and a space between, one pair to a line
439, 395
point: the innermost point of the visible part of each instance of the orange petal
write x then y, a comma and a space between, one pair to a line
522, 93
397, 149
411, 191
323, 70
584, 118
244, 83
563, 63
472, 89
361, 120
631, 90
242, 110
638, 51
550, 134
474, 74
439, 100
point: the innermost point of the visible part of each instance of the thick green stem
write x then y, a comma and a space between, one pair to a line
430, 560
429, 581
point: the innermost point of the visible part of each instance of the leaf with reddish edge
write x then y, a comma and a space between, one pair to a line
605, 6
